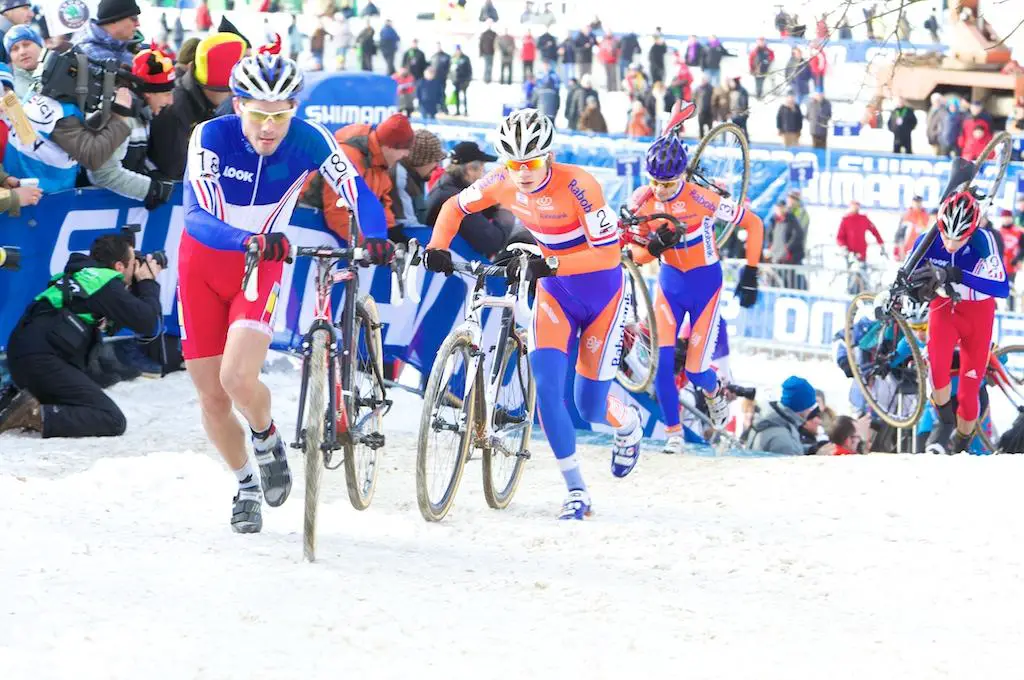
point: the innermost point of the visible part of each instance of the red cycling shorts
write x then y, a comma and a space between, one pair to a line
210, 298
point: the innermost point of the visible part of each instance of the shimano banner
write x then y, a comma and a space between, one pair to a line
369, 98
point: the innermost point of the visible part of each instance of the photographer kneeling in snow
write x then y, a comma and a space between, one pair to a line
49, 348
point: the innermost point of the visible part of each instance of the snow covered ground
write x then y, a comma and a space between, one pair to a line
117, 561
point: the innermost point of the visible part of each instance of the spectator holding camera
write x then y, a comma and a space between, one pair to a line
195, 99
49, 348
788, 421
126, 172
111, 34
24, 47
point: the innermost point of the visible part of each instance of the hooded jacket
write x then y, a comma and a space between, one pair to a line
777, 432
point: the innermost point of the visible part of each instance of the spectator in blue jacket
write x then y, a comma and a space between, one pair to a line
547, 93
388, 42
111, 34
430, 93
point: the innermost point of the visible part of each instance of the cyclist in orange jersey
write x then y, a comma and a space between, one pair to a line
690, 280
564, 208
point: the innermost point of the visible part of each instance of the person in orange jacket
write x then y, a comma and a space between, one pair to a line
913, 223
374, 150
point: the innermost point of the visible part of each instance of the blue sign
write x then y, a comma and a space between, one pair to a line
627, 166
846, 129
801, 172
369, 98
506, 109
1020, 185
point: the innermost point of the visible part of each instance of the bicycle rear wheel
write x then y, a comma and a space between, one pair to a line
639, 361
990, 168
882, 385
312, 437
364, 399
1006, 380
722, 163
511, 422
446, 427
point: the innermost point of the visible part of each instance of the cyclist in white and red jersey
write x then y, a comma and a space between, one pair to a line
242, 180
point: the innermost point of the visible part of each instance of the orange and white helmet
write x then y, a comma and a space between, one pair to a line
959, 216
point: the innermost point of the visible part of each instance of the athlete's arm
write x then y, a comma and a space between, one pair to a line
204, 198
478, 196
874, 230
728, 211
341, 175
988, 276
639, 253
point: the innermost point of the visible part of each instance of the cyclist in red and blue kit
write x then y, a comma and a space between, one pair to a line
242, 180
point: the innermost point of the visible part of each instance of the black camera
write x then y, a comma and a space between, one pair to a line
10, 258
72, 76
743, 392
128, 233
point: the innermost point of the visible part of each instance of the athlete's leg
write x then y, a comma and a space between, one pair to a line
219, 420
667, 313
548, 344
705, 314
244, 355
974, 320
600, 349
942, 339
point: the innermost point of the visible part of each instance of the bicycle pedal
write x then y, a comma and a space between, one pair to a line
524, 454
374, 440
296, 445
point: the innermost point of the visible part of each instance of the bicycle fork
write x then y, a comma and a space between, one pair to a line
335, 404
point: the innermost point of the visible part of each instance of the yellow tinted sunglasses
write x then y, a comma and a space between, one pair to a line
274, 117
667, 184
529, 164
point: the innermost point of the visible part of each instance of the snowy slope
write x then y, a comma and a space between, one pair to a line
117, 561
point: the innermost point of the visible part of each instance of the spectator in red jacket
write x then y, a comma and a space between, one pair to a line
1013, 246
760, 61
975, 133
853, 232
818, 65
528, 54
607, 55
203, 20
844, 438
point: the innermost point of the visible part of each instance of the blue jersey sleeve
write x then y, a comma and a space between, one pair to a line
204, 198
983, 269
342, 176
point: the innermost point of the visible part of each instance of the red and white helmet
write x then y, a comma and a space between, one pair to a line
959, 216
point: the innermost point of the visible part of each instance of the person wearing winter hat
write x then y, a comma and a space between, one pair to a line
374, 150
186, 55
24, 47
13, 13
409, 179
126, 172
195, 99
111, 33
779, 430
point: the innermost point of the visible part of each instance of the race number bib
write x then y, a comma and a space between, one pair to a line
726, 210
203, 163
602, 224
339, 173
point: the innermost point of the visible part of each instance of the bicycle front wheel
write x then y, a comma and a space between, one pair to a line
887, 390
364, 399
722, 163
511, 422
446, 426
312, 437
639, 361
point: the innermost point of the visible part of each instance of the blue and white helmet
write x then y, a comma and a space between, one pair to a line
266, 77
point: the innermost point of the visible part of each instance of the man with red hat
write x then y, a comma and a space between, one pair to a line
375, 150
195, 99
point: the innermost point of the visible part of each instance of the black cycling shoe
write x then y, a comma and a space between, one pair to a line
247, 515
275, 477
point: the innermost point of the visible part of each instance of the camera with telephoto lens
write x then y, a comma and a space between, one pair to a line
10, 258
743, 392
129, 231
71, 76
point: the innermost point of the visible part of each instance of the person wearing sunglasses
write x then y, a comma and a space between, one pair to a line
582, 296
690, 282
960, 276
242, 179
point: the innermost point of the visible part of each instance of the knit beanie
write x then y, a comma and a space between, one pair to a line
155, 69
426, 149
19, 33
13, 4
395, 132
216, 55
225, 26
6, 77
110, 11
797, 394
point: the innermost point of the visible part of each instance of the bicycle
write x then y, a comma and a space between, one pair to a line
342, 398
492, 413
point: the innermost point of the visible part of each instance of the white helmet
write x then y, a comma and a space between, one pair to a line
525, 134
266, 77
916, 313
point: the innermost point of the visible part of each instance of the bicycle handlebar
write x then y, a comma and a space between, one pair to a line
481, 270
631, 220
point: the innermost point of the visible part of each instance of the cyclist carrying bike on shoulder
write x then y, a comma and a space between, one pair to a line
565, 210
242, 179
690, 282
